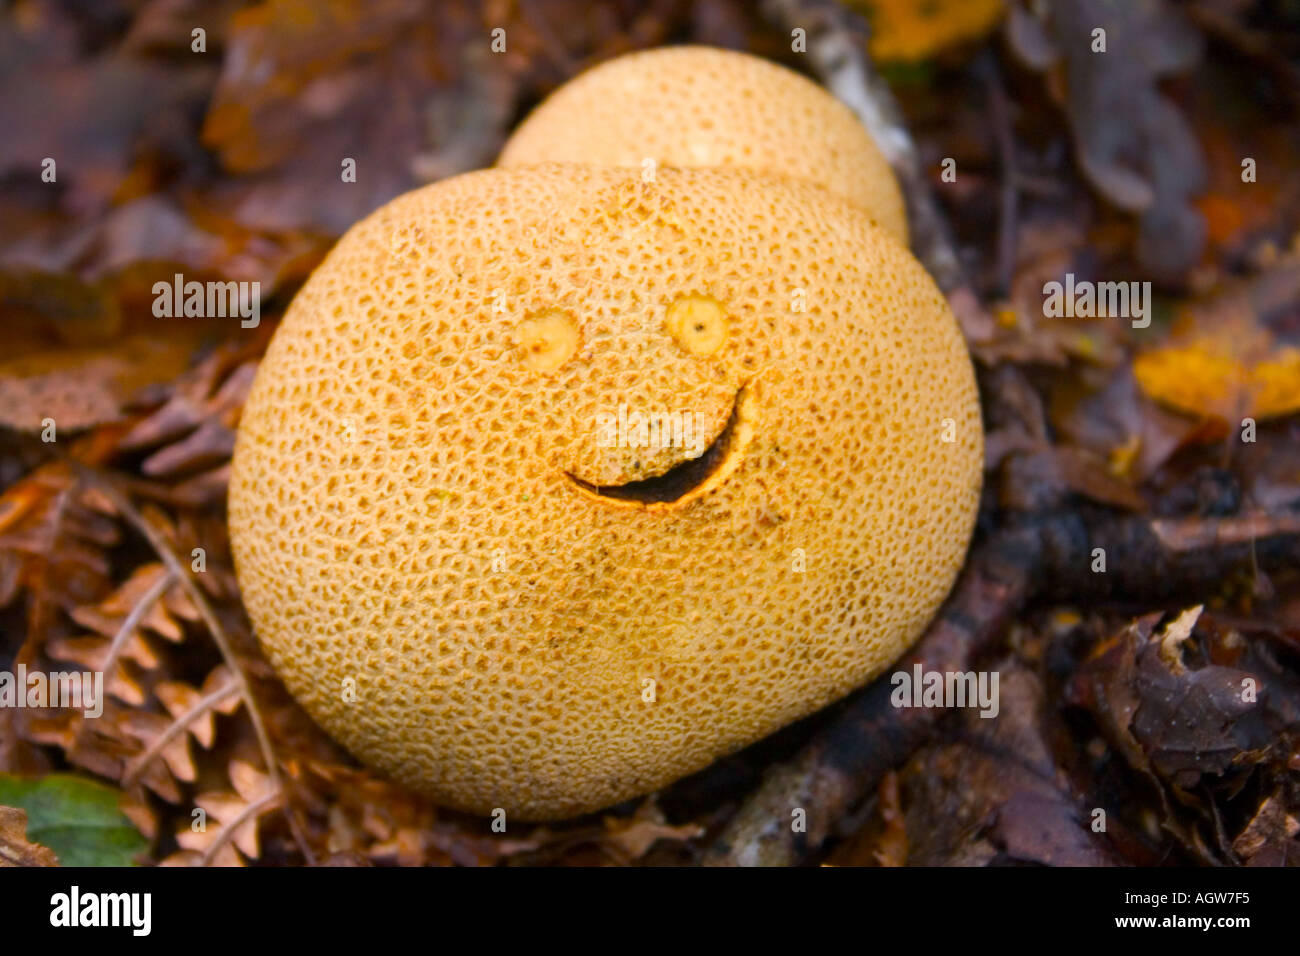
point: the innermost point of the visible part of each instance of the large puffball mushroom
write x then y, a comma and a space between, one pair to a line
556, 485
698, 106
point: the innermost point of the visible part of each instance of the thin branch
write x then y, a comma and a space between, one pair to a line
1192, 534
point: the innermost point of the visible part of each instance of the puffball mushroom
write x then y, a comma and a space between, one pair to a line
695, 106
468, 556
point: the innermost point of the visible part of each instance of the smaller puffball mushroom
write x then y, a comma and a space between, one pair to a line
697, 106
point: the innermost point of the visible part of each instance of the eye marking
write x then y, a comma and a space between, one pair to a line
547, 340
697, 323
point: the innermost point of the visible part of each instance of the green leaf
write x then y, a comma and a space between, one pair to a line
76, 818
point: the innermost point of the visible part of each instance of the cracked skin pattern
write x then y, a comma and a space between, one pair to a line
401, 515
693, 106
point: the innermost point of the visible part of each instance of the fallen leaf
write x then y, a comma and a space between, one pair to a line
1132, 142
1223, 360
75, 389
76, 818
635, 835
904, 31
1230, 374
1271, 824
15, 849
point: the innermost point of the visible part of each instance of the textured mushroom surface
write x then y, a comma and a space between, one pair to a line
697, 106
479, 568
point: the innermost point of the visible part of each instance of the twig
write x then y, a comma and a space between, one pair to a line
1190, 535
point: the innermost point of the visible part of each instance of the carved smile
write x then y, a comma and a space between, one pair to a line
692, 477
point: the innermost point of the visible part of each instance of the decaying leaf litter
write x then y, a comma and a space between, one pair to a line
1117, 690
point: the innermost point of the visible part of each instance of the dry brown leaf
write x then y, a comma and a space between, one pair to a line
54, 539
15, 850
1270, 824
357, 80
104, 746
195, 426
91, 653
138, 603
232, 817
198, 707
151, 731
1132, 142
79, 388
635, 835
107, 616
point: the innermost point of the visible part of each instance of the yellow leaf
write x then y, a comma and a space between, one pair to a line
1237, 372
905, 31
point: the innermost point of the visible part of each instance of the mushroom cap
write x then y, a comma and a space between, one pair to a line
694, 106
426, 504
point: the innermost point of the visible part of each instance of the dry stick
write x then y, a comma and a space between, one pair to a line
1050, 555
215, 629
1153, 559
